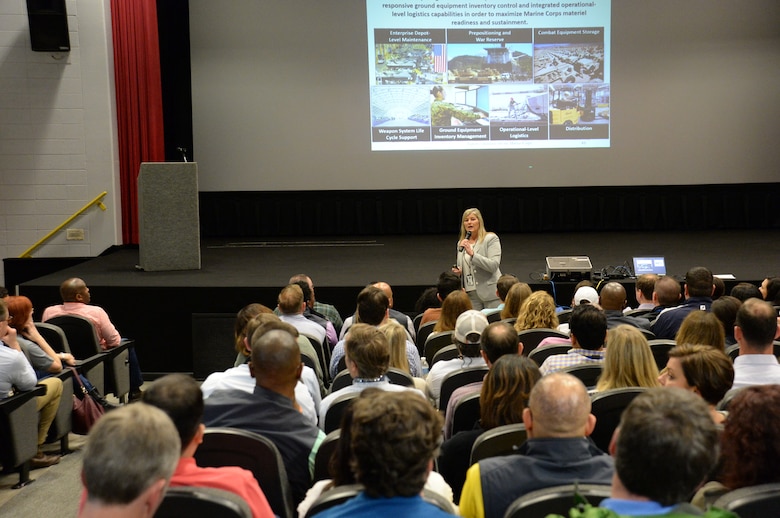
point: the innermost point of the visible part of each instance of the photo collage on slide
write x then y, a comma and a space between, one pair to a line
489, 85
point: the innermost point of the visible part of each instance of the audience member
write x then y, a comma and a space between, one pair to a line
129, 458
76, 301
243, 317
504, 395
291, 308
755, 330
746, 290
613, 302
372, 309
396, 338
395, 437
331, 337
703, 370
725, 310
340, 468
394, 314
368, 358
558, 422
698, 296
585, 294
497, 340
180, 397
701, 327
505, 282
307, 391
448, 282
320, 308
770, 289
514, 300
628, 361
537, 312
16, 371
666, 294
453, 306
42, 357
588, 333
468, 330
664, 448
720, 288
645, 286
428, 299
270, 410
750, 448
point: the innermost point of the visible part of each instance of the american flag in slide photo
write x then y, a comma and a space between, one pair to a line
439, 58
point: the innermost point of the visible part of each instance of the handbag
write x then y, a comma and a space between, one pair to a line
86, 411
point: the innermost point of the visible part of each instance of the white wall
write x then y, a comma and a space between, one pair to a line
58, 143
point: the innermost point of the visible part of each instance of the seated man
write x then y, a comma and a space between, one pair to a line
395, 437
128, 460
291, 307
698, 297
180, 397
16, 371
75, 301
368, 358
588, 333
270, 410
505, 282
558, 422
664, 448
755, 329
447, 283
613, 302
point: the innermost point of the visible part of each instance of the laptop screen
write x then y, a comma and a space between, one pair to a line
656, 265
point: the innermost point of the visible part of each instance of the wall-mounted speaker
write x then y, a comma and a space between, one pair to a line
48, 25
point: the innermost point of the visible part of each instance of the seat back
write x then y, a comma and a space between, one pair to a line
456, 379
342, 379
93, 367
723, 404
494, 316
556, 500
588, 373
649, 335
202, 502
752, 502
564, 316
336, 410
324, 453
333, 497
81, 334
436, 342
449, 352
540, 354
19, 432
608, 406
531, 338
251, 451
660, 348
399, 377
422, 335
323, 355
466, 413
501, 440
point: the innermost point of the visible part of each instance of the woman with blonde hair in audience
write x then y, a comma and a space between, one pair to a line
628, 361
243, 317
538, 311
701, 327
702, 369
396, 335
454, 304
514, 300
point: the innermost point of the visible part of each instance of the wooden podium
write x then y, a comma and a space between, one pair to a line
168, 219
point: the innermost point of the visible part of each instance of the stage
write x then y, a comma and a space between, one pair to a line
170, 313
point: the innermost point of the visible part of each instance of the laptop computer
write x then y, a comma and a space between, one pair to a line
656, 265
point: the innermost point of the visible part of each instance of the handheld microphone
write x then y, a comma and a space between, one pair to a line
468, 236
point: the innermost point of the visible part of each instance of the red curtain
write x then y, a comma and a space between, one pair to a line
138, 100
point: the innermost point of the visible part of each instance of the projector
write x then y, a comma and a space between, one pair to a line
571, 268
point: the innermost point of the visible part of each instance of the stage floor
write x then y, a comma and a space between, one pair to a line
157, 308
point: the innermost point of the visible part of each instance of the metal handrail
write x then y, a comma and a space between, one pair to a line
97, 201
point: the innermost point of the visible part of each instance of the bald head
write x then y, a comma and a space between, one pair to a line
71, 289
559, 406
276, 359
385, 288
613, 296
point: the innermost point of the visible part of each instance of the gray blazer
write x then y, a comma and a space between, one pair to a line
484, 265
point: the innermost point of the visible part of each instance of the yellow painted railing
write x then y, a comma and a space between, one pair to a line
97, 201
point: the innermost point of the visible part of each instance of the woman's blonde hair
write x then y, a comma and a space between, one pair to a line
480, 233
628, 361
453, 305
396, 336
537, 311
702, 327
514, 300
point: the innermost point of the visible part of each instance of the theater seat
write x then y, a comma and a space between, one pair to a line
556, 500
202, 502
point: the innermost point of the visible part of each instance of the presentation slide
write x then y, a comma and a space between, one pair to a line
475, 75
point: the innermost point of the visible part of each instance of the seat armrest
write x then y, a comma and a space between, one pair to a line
10, 404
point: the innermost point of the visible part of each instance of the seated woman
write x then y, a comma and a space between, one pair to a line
42, 357
504, 395
243, 317
701, 369
628, 361
454, 304
514, 300
725, 309
749, 445
701, 327
396, 335
340, 467
537, 312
